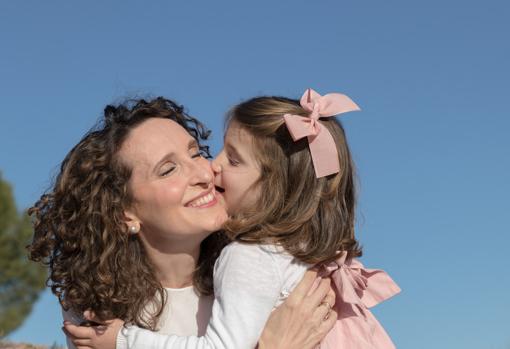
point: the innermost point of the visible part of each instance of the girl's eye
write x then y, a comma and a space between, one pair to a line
233, 162
196, 155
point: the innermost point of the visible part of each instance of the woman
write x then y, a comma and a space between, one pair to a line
128, 230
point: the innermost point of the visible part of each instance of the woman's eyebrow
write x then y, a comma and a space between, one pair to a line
193, 144
165, 158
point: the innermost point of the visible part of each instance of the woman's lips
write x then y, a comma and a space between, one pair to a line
203, 201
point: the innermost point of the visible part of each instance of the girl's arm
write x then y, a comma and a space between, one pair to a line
247, 285
298, 323
301, 321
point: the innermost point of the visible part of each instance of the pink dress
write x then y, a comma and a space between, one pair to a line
357, 289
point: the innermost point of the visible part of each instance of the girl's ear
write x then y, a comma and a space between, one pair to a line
132, 222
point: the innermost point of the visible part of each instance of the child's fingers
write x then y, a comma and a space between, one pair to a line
79, 332
82, 343
101, 329
74, 339
320, 292
303, 288
68, 335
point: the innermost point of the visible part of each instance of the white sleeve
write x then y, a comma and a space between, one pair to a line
247, 284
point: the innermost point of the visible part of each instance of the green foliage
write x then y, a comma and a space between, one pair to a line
11, 345
21, 281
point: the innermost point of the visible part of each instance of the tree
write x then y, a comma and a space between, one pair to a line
21, 281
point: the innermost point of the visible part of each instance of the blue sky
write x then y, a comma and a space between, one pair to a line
431, 143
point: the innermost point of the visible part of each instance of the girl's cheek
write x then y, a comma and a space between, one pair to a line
231, 191
225, 181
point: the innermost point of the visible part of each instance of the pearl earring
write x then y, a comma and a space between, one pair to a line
133, 229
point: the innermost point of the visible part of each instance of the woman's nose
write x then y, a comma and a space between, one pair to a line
202, 173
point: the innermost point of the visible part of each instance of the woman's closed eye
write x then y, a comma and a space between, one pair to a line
166, 170
198, 154
195, 151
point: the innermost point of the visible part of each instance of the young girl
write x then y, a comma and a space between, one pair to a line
287, 178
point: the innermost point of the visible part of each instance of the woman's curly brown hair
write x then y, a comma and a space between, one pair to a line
80, 230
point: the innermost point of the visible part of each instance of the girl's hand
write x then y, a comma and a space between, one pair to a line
305, 317
103, 336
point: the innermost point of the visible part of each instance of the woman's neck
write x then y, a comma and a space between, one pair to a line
174, 261
176, 270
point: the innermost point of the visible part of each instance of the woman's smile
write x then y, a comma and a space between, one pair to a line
204, 200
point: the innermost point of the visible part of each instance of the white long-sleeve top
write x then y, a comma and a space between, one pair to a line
186, 313
249, 282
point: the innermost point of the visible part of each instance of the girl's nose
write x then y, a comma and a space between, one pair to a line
216, 167
217, 162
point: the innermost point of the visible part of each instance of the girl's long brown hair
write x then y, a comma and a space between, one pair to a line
311, 218
79, 229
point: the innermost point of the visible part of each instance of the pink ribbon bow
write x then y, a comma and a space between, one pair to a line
356, 290
321, 142
359, 286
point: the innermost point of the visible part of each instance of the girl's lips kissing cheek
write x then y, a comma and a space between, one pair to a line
220, 192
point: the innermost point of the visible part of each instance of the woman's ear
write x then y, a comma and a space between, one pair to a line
132, 222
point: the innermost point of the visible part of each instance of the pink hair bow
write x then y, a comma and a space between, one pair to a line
321, 142
358, 286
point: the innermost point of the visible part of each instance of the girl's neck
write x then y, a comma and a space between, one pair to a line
174, 262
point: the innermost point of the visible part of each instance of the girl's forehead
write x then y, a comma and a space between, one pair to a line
235, 132
241, 143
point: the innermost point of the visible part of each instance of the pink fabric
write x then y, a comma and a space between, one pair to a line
357, 289
321, 142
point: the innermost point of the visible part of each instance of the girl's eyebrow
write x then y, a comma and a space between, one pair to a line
232, 149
